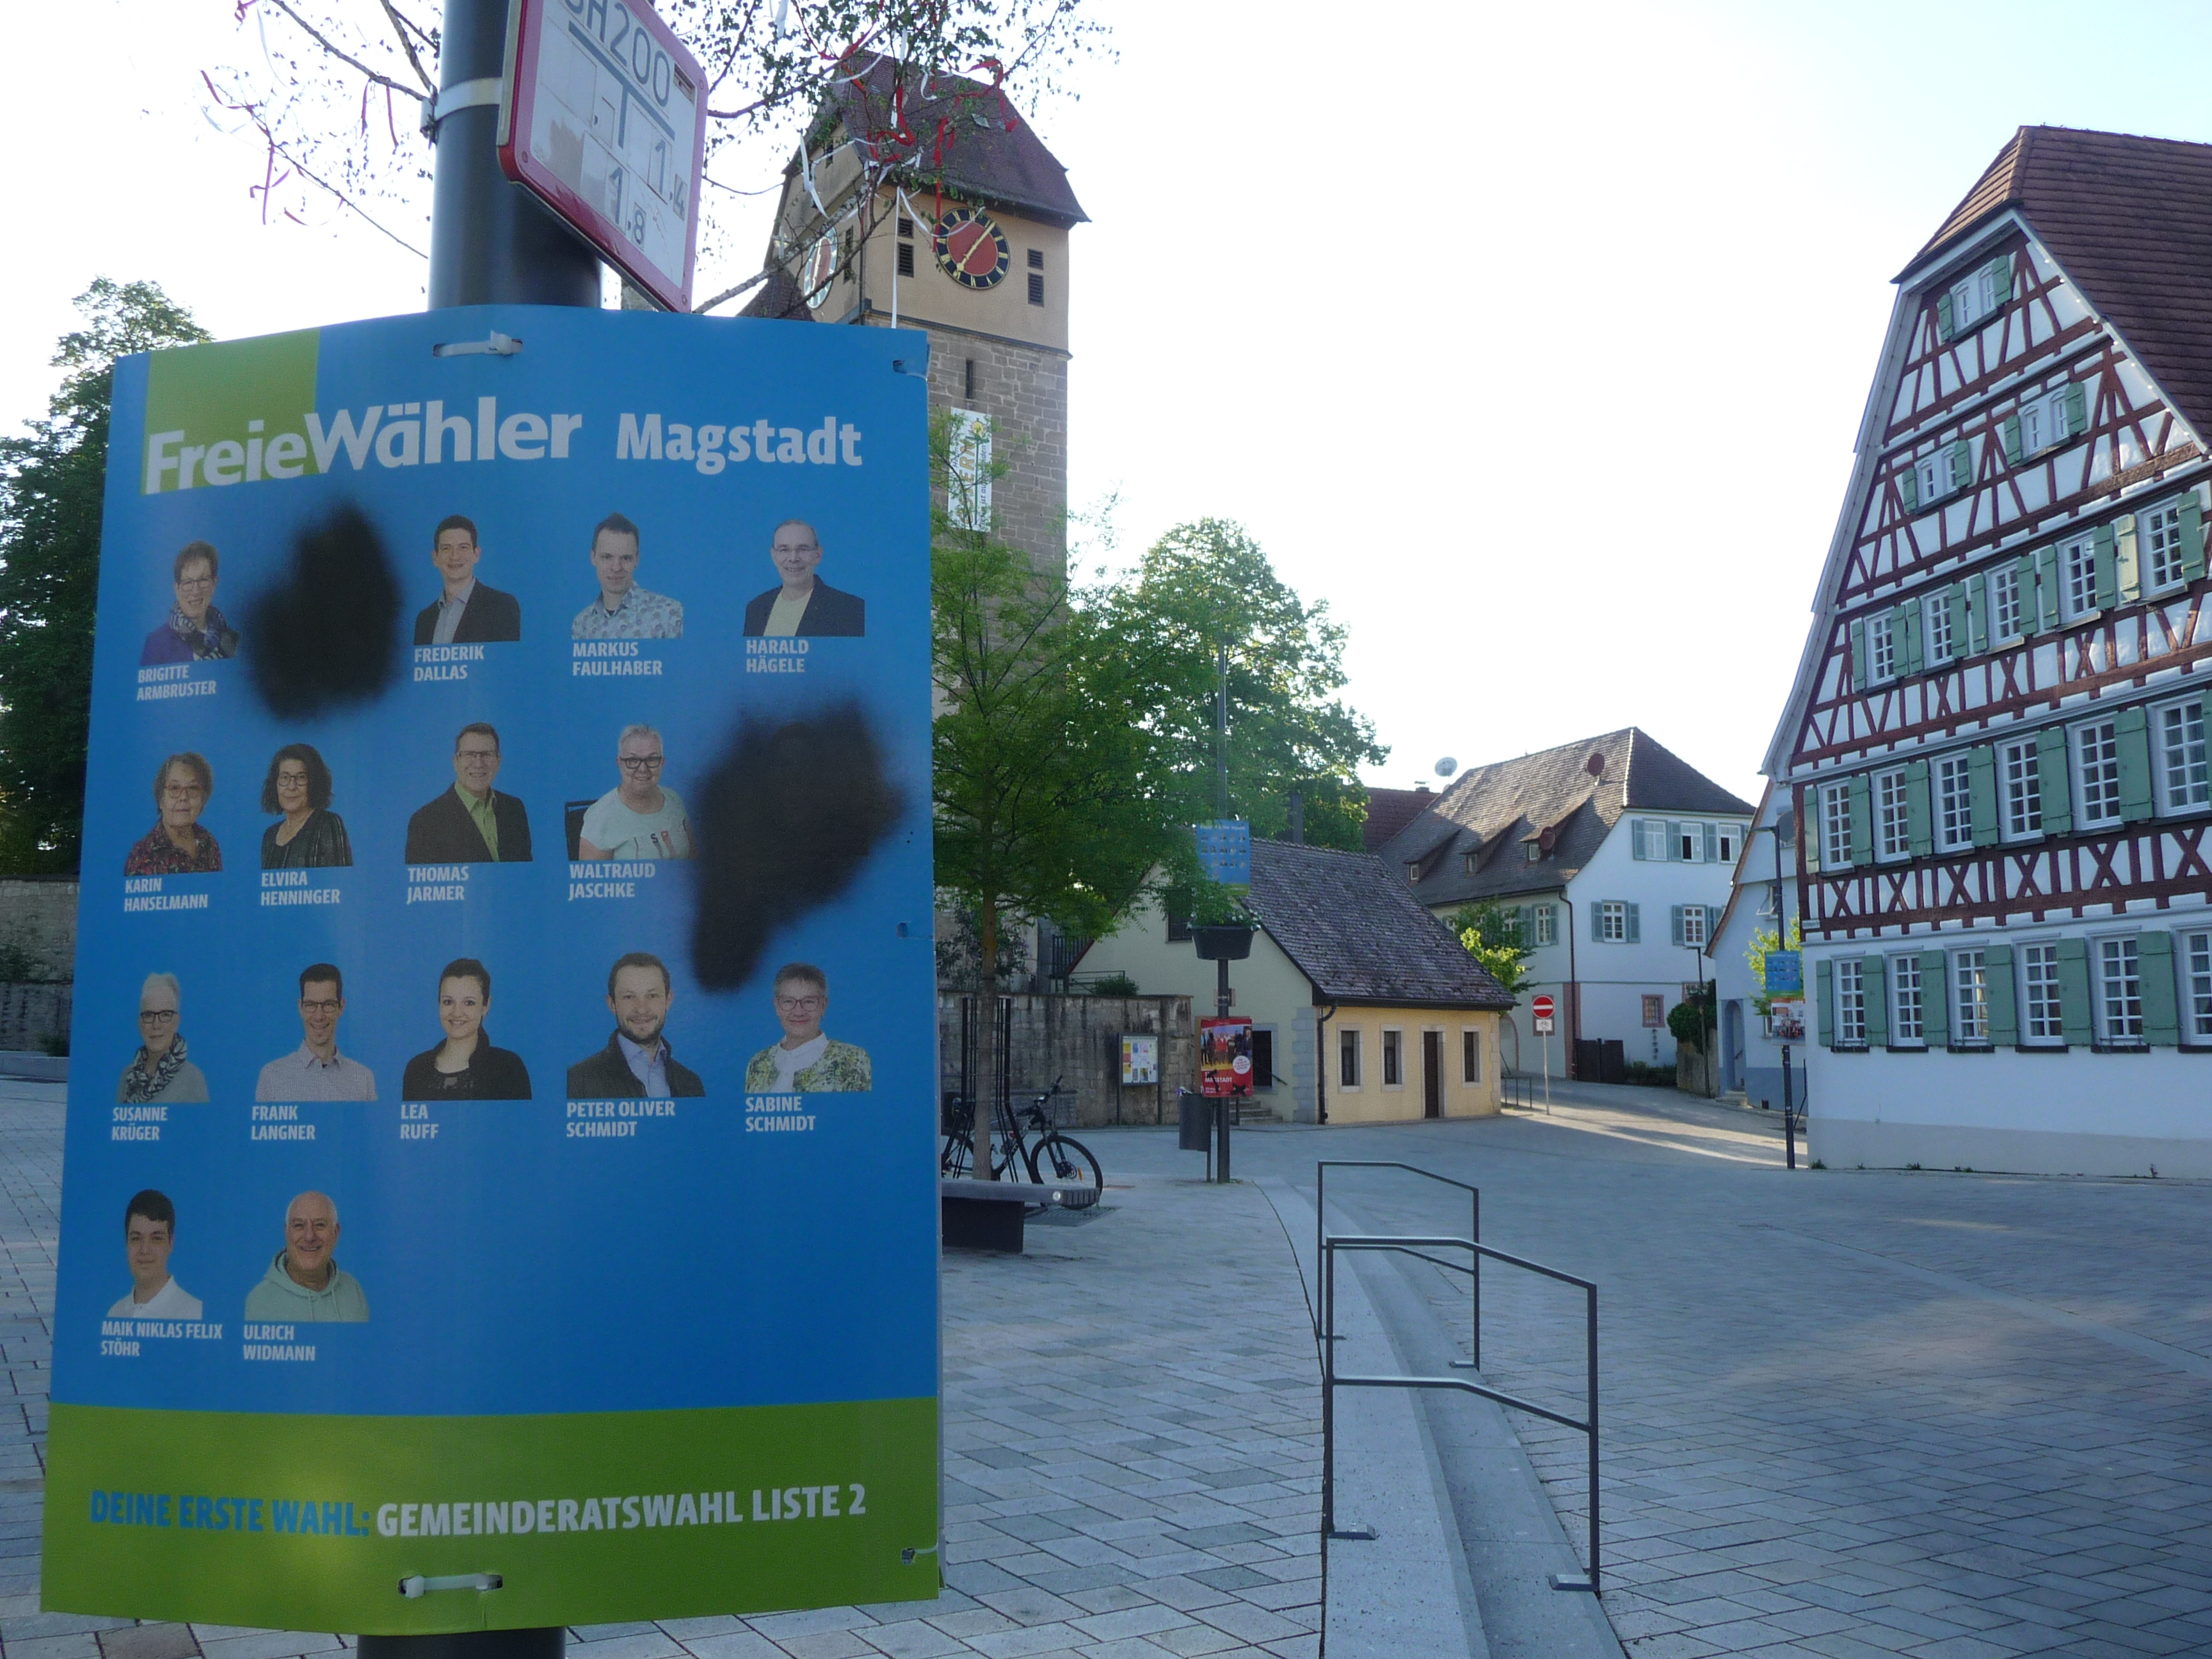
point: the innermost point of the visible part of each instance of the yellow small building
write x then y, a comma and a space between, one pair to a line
1365, 1007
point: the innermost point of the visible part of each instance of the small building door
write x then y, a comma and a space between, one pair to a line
1432, 1074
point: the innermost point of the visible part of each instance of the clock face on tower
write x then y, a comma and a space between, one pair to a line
971, 249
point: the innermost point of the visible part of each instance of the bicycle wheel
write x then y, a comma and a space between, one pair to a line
958, 1156
1061, 1161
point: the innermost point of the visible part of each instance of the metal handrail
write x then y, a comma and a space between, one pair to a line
1473, 1229
1415, 1244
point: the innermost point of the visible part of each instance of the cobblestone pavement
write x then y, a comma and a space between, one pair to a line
1132, 1443
1847, 1414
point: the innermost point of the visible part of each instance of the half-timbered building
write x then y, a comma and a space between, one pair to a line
1995, 744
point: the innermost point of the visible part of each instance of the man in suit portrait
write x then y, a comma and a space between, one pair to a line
805, 605
471, 823
468, 611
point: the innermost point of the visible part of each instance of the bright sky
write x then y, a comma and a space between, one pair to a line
1533, 339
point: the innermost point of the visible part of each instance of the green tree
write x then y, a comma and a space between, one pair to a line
50, 500
1491, 934
1691, 1019
1754, 956
1208, 585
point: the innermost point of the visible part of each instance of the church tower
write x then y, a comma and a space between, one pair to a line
976, 258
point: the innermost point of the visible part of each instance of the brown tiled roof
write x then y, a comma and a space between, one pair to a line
965, 140
1359, 934
779, 296
1390, 810
1493, 812
2129, 219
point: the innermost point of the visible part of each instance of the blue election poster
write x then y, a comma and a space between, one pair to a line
500, 1183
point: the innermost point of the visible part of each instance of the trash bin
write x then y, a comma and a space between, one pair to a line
1194, 1122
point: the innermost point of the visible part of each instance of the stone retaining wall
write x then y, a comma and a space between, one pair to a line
1078, 1040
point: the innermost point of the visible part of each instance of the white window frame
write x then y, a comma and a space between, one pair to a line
1692, 846
1730, 835
2042, 1010
1908, 1005
1393, 1056
1881, 647
1835, 826
1973, 301
1547, 926
2184, 760
1613, 921
1850, 1003
1651, 833
2096, 753
2193, 952
2020, 790
1694, 919
1935, 642
2077, 576
1969, 998
1952, 783
1349, 1059
2006, 611
2042, 422
1470, 1056
2117, 979
2158, 546
1892, 817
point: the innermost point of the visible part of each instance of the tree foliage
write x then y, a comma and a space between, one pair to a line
1692, 1020
1762, 941
1491, 934
50, 506
1206, 587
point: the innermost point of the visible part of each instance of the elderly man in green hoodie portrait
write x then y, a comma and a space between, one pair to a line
304, 1284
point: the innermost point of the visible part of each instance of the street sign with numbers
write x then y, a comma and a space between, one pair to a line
603, 118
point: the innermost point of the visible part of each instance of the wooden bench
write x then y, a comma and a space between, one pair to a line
989, 1215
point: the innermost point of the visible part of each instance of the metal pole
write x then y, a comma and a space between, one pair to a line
1221, 733
1327, 1390
491, 241
1788, 1115
1594, 1582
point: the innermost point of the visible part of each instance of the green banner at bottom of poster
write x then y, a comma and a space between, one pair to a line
326, 1523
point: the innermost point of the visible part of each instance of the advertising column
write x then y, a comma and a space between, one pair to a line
500, 1182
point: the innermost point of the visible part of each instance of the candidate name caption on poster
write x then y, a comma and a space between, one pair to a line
283, 888
592, 660
275, 1122
613, 1120
174, 680
416, 1123
141, 893
445, 662
776, 656
276, 1342
137, 1122
777, 1115
437, 883
123, 1339
608, 879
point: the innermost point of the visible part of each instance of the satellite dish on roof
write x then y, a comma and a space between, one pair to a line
1445, 767
1595, 765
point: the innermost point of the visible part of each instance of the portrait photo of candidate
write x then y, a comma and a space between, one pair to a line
805, 605
807, 1062
466, 611
471, 823
160, 1070
316, 1070
195, 631
623, 611
149, 1232
639, 817
637, 1062
465, 1065
176, 845
304, 1284
309, 836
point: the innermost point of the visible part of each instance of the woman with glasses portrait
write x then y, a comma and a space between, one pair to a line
641, 817
309, 836
159, 1070
196, 631
176, 845
808, 1061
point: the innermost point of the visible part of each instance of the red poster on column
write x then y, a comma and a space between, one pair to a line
1224, 1057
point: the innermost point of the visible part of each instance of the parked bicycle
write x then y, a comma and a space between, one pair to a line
1057, 1159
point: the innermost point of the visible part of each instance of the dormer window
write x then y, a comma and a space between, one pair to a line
1974, 298
2050, 418
1536, 851
1467, 862
1412, 870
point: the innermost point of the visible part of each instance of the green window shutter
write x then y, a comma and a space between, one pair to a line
2161, 1009
1919, 832
2074, 991
1712, 843
1936, 998
1824, 981
2004, 1013
1908, 487
1635, 924
1961, 469
1943, 328
1674, 920
1860, 811
2132, 727
2106, 559
2000, 278
2043, 612
1526, 921
1982, 794
2192, 538
1597, 923
1974, 593
1859, 656
1673, 840
1876, 981
2126, 561
1636, 838
2076, 403
2051, 776
2009, 428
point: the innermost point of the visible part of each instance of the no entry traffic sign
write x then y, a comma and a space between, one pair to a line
1541, 1007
